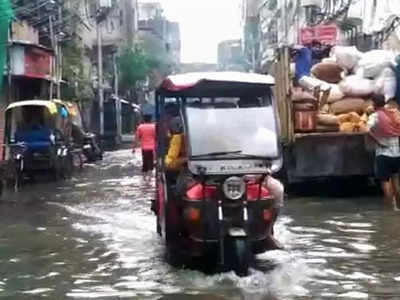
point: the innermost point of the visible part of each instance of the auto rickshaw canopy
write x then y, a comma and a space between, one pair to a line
51, 106
216, 84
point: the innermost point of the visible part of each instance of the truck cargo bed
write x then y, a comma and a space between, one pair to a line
334, 154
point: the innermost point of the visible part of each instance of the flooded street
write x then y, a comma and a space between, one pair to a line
94, 238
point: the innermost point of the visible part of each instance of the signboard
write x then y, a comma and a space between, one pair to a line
37, 63
325, 34
31, 61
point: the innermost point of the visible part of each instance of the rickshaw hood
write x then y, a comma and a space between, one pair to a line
49, 104
182, 82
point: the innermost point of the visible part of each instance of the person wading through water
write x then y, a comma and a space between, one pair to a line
146, 135
384, 128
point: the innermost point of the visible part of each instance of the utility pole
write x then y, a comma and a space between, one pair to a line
100, 75
117, 99
104, 7
53, 68
59, 57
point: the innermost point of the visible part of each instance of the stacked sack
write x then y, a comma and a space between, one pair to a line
305, 107
353, 77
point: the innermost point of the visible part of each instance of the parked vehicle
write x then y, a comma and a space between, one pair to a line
37, 139
231, 139
91, 148
85, 141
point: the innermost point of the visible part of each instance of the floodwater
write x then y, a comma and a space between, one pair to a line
94, 238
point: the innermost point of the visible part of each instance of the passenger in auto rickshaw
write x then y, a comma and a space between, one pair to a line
176, 158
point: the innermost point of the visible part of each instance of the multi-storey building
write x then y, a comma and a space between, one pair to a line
230, 56
154, 26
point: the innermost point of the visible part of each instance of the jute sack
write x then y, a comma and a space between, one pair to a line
347, 127
369, 107
306, 106
330, 72
327, 119
335, 94
299, 95
351, 117
348, 105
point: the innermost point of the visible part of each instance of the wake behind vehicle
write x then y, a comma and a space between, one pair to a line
37, 140
216, 208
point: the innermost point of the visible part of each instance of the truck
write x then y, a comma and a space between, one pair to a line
315, 155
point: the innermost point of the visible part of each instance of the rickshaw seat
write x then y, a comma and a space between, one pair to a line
36, 140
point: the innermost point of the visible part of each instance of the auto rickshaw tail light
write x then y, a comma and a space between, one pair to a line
268, 215
253, 192
192, 214
198, 192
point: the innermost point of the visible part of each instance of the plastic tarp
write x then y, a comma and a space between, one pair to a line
217, 130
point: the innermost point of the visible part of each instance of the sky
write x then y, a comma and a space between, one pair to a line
204, 23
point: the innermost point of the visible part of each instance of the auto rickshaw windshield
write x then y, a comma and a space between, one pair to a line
232, 128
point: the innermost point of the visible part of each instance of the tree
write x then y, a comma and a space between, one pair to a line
135, 65
76, 70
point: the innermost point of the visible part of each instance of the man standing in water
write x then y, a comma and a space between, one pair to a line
146, 135
384, 127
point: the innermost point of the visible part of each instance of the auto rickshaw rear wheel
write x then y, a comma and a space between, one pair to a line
171, 222
68, 166
237, 255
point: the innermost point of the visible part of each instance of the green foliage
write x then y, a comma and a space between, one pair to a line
135, 65
75, 73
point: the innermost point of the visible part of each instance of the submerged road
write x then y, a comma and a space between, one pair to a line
93, 237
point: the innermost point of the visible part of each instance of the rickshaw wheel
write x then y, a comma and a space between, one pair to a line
237, 255
56, 172
68, 166
171, 222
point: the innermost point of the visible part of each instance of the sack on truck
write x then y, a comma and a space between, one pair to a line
346, 57
386, 84
299, 95
374, 62
305, 106
335, 94
327, 119
348, 105
330, 72
356, 86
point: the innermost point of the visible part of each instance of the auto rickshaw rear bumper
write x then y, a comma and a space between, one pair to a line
194, 247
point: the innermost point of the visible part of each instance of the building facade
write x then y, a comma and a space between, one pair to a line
162, 38
230, 56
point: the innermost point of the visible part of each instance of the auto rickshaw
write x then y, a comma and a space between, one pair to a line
222, 212
37, 140
84, 142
